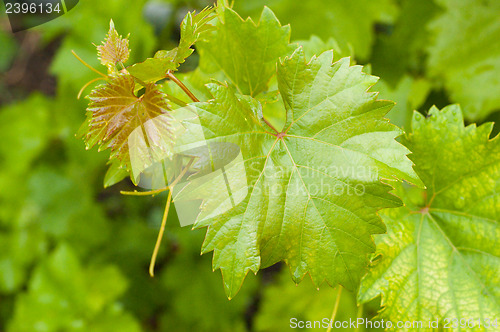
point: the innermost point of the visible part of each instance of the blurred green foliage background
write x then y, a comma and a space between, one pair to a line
74, 256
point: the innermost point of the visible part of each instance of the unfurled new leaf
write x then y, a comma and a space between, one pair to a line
193, 28
114, 49
441, 257
313, 188
136, 129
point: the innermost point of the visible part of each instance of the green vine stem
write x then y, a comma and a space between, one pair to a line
335, 308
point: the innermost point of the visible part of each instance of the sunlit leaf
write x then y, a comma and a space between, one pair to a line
246, 52
349, 22
193, 28
441, 257
313, 188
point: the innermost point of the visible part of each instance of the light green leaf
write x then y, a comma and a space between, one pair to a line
313, 188
348, 22
114, 174
193, 28
441, 256
315, 46
465, 54
246, 52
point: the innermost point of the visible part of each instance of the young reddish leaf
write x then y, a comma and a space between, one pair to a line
129, 125
114, 49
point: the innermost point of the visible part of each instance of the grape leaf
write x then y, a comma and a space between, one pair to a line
313, 188
193, 28
246, 52
409, 94
314, 46
116, 116
114, 174
114, 49
441, 256
349, 22
465, 54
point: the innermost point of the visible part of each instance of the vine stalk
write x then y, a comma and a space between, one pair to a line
164, 219
270, 125
184, 88
359, 315
88, 66
160, 236
143, 193
335, 308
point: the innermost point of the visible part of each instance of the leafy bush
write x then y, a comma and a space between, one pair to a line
295, 165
